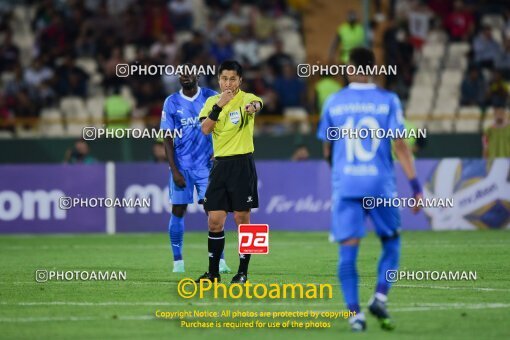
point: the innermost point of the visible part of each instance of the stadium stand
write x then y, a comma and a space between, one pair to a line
58, 58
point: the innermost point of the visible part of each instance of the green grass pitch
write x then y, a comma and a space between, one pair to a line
125, 309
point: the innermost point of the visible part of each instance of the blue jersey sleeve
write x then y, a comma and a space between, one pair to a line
167, 116
325, 122
396, 115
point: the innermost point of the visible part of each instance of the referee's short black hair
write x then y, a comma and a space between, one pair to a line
231, 65
362, 56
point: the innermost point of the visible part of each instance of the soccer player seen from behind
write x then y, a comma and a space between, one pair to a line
189, 157
233, 180
364, 168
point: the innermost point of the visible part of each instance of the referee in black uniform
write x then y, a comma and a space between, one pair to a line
232, 187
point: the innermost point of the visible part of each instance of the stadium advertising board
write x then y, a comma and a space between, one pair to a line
293, 196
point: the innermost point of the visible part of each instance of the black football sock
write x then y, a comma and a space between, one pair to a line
244, 260
215, 245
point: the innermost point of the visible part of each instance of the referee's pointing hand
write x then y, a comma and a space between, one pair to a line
225, 97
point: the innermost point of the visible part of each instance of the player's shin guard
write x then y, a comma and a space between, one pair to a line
349, 276
389, 261
244, 260
215, 245
176, 232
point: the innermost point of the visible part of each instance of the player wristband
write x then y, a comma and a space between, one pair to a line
215, 112
415, 185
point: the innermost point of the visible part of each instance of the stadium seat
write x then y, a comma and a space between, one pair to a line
417, 110
466, 125
182, 37
425, 78
433, 50
436, 37
89, 65
95, 106
129, 53
429, 64
440, 125
6, 134
496, 21
74, 130
458, 49
452, 77
421, 93
53, 130
125, 92
470, 110
70, 104
265, 51
22, 133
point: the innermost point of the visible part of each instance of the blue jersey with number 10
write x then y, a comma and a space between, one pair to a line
180, 113
361, 167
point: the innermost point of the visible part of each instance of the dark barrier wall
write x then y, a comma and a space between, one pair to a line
139, 150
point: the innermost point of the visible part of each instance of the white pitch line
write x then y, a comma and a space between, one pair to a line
297, 303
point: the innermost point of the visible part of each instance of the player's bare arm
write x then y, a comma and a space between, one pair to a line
406, 160
178, 178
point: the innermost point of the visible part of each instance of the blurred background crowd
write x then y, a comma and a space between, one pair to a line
58, 58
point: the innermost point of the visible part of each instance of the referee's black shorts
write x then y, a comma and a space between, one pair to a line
232, 184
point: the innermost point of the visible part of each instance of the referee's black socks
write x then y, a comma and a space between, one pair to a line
215, 246
244, 260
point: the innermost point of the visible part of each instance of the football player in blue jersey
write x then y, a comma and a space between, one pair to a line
189, 156
361, 169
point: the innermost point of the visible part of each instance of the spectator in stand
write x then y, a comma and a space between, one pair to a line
495, 139
222, 49
181, 12
278, 59
117, 111
52, 39
193, 50
235, 21
157, 22
325, 87
419, 24
9, 53
7, 121
85, 45
503, 61
460, 22
132, 26
486, 49
71, 80
291, 90
473, 88
246, 50
18, 83
497, 94
399, 51
109, 68
38, 73
263, 24
350, 34
164, 51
